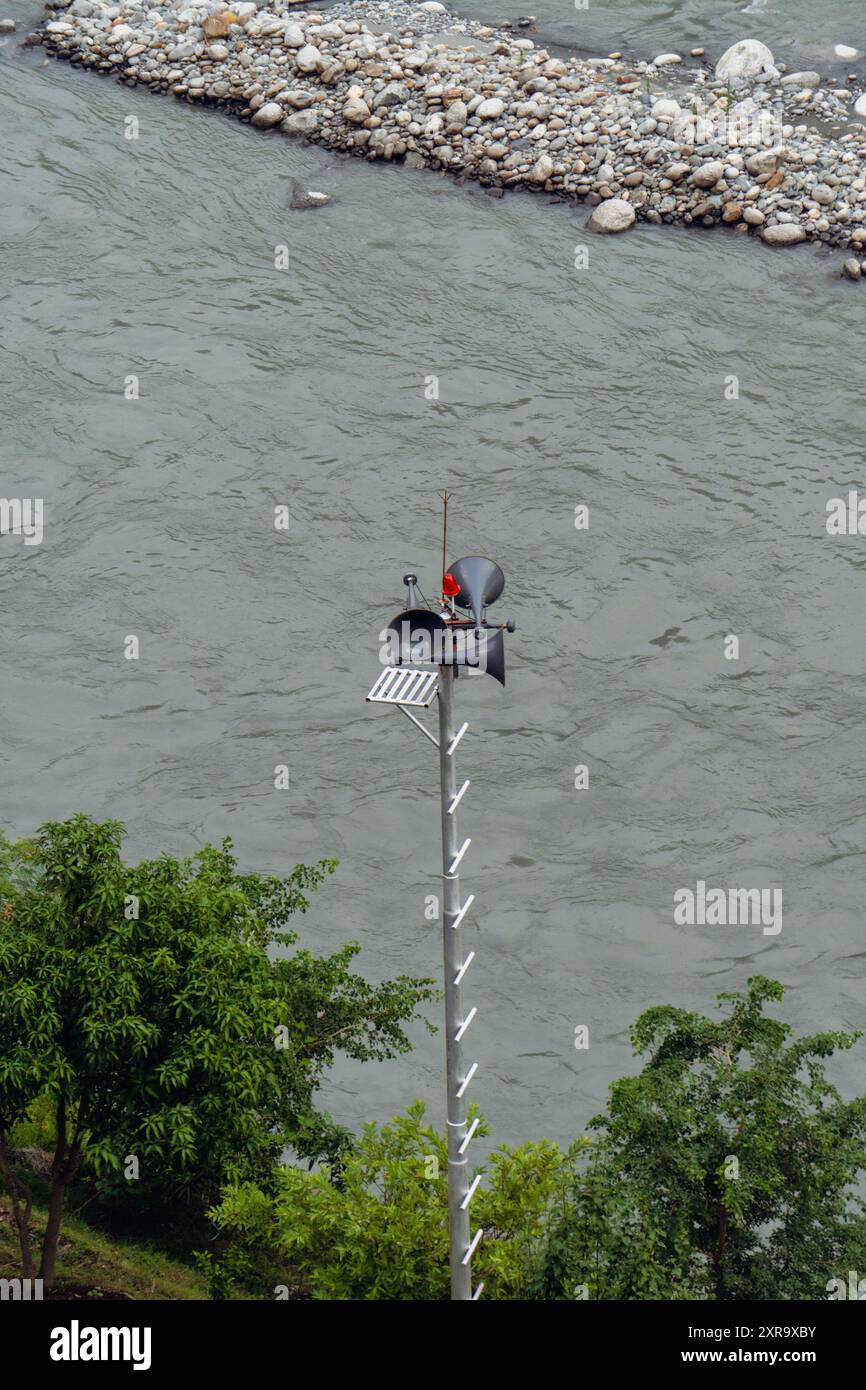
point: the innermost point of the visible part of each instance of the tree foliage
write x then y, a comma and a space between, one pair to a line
378, 1228
726, 1169
146, 1002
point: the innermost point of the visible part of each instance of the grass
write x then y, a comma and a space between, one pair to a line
90, 1266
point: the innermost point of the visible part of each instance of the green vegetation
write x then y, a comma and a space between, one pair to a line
726, 1169
158, 1062
378, 1229
91, 1266
141, 1004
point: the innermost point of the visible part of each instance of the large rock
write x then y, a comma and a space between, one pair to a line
613, 215
456, 116
541, 169
269, 114
786, 234
293, 36
490, 109
802, 79
356, 110
393, 94
300, 123
766, 161
309, 59
666, 109
307, 198
216, 26
747, 59
707, 175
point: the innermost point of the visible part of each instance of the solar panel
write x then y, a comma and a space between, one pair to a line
401, 685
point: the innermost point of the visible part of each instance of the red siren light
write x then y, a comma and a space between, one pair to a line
450, 587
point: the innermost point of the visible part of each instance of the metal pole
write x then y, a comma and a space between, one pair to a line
458, 1214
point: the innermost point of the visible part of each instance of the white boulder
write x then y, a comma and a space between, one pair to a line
785, 234
309, 59
747, 59
613, 215
269, 114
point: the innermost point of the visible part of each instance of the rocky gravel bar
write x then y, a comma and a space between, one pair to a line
672, 140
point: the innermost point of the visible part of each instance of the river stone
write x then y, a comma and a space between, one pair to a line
708, 175
7, 26
293, 36
766, 161
307, 198
801, 79
269, 114
309, 59
490, 109
788, 234
541, 169
852, 268
860, 105
613, 215
216, 26
300, 123
394, 94
666, 109
743, 60
356, 110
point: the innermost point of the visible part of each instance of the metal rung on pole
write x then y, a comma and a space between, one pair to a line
464, 909
471, 1193
464, 967
467, 1078
456, 802
456, 739
464, 1025
467, 1140
473, 1247
460, 853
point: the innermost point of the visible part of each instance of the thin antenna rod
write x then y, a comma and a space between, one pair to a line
445, 496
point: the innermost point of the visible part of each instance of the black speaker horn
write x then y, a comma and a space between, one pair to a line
416, 634
480, 581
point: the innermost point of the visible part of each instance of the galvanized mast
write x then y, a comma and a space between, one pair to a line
455, 1023
449, 643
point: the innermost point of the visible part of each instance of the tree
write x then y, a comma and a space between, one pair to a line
378, 1227
144, 1002
726, 1169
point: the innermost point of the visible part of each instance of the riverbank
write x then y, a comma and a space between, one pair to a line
659, 141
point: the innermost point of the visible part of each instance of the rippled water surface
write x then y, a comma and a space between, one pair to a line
603, 386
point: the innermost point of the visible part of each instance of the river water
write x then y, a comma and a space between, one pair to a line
602, 386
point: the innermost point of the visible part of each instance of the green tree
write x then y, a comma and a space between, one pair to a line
145, 1003
378, 1228
726, 1169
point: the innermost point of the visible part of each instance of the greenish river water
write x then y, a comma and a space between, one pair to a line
558, 387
